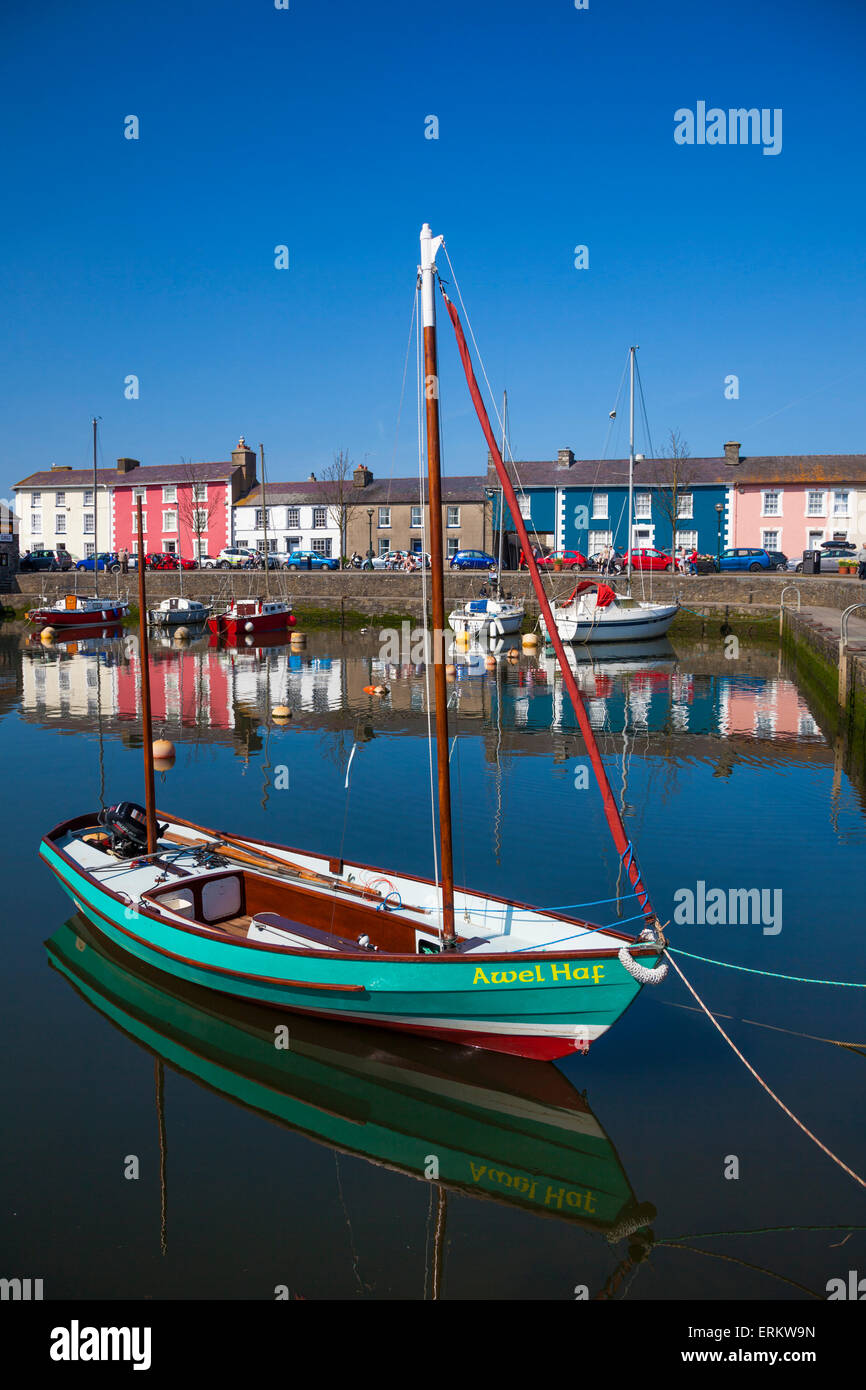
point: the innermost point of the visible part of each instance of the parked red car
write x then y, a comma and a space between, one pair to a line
571, 560
161, 560
645, 558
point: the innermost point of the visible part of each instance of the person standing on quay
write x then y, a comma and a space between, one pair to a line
861, 562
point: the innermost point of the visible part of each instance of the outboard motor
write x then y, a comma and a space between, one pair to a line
126, 823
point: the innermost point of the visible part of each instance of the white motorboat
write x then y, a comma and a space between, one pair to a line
481, 617
174, 612
596, 613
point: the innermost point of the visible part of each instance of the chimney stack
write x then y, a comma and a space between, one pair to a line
127, 465
244, 457
565, 458
732, 453
361, 476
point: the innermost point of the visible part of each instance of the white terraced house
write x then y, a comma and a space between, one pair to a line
301, 516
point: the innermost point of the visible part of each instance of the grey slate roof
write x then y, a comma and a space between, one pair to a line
150, 476
697, 472
383, 492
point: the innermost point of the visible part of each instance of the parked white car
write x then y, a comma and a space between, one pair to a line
233, 555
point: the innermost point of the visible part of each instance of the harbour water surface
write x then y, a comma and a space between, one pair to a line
653, 1168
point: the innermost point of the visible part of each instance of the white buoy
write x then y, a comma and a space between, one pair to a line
164, 754
249, 626
181, 634
530, 640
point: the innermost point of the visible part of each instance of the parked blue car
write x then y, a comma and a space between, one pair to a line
311, 559
746, 558
472, 560
107, 561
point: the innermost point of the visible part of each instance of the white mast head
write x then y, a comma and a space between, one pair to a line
429, 246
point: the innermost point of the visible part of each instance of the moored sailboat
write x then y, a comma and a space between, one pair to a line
326, 936
247, 617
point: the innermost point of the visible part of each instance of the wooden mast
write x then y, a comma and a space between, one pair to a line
429, 246
265, 519
146, 719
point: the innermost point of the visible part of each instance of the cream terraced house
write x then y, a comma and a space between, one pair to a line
58, 510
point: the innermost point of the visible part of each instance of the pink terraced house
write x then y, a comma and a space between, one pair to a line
186, 507
794, 503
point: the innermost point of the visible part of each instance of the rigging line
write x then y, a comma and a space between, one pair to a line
643, 409
773, 1027
499, 420
746, 1264
756, 1231
761, 1081
412, 322
361, 1285
772, 974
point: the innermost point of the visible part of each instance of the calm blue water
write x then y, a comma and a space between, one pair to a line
725, 778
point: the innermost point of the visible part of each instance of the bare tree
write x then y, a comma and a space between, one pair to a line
343, 499
675, 478
195, 510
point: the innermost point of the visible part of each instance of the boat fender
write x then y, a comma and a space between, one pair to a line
640, 972
366, 944
633, 1219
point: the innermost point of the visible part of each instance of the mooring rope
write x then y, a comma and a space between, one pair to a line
761, 1081
771, 974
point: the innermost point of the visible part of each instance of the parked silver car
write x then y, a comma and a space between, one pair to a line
830, 557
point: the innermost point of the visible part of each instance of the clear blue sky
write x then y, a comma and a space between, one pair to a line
306, 127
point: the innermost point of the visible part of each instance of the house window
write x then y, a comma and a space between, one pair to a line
814, 540
293, 518
261, 521
770, 540
688, 540
272, 545
88, 549
88, 523
170, 547
600, 539
686, 505
293, 543
599, 506
320, 518
36, 523
643, 506
139, 494
384, 545
199, 522
415, 517
815, 503
321, 545
416, 545
199, 492
60, 524
169, 494
36, 499
384, 517
524, 502
88, 497
772, 504
452, 516
60, 499
453, 545
840, 503
169, 521
200, 549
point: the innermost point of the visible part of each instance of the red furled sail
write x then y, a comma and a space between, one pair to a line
611, 810
605, 595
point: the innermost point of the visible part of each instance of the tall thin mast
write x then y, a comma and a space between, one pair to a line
429, 246
95, 520
501, 493
265, 517
629, 534
146, 719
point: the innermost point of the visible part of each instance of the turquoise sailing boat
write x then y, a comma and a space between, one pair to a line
344, 940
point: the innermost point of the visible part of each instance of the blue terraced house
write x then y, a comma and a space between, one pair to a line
582, 504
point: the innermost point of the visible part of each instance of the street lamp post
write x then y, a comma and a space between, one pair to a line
720, 507
370, 546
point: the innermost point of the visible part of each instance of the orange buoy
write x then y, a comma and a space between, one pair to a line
450, 672
281, 714
490, 662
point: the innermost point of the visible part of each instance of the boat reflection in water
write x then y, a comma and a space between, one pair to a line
500, 1127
